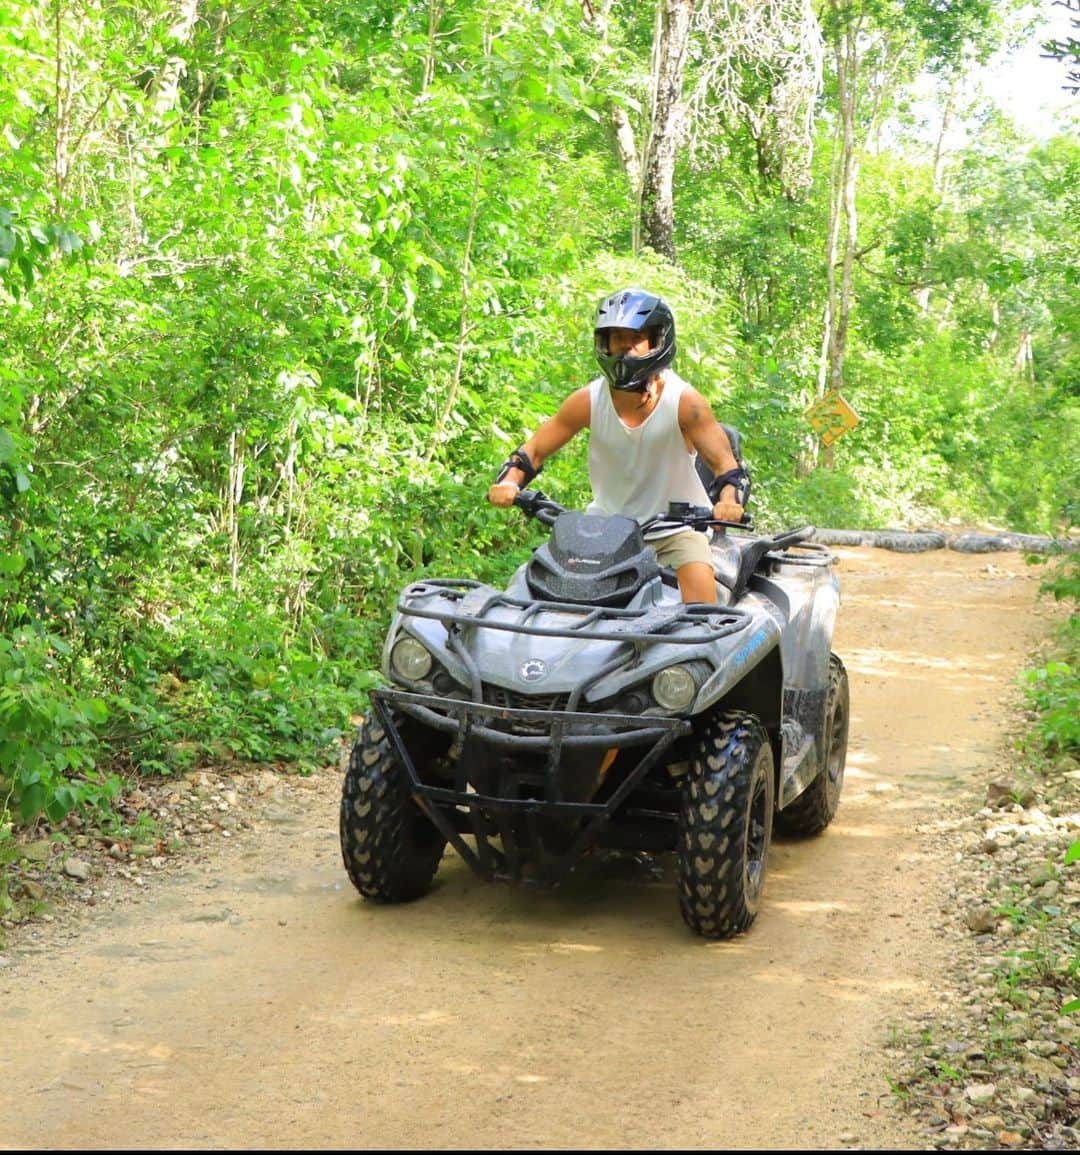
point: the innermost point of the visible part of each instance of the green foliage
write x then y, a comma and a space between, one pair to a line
1053, 689
50, 736
281, 286
27, 246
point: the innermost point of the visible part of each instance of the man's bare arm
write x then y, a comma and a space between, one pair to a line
708, 437
572, 417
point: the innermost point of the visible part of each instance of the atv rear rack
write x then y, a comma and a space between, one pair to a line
460, 809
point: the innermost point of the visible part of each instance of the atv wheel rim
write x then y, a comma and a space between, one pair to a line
757, 835
837, 748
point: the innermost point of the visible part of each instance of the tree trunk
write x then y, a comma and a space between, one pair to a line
627, 149
847, 63
832, 252
464, 326
657, 190
62, 97
233, 498
434, 16
841, 242
165, 92
923, 296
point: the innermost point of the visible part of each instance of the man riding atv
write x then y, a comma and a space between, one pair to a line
599, 699
646, 425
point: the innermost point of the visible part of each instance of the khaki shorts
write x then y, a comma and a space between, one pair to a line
682, 548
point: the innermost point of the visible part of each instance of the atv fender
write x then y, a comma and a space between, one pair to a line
751, 678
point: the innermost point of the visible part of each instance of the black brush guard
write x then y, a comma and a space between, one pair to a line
458, 809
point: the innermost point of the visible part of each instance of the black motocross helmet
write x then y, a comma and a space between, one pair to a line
634, 309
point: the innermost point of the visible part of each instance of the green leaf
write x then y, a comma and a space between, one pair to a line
471, 33
70, 242
95, 710
32, 801
61, 804
1073, 853
30, 776
1071, 1007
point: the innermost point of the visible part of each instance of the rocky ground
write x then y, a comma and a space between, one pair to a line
60, 874
998, 1065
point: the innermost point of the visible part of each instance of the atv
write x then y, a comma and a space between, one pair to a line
585, 706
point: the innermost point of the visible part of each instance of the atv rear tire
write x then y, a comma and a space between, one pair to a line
816, 807
725, 825
390, 847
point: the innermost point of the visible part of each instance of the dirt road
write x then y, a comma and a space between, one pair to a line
252, 1000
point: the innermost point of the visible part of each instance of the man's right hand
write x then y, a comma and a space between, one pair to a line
502, 493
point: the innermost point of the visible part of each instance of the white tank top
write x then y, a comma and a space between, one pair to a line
636, 472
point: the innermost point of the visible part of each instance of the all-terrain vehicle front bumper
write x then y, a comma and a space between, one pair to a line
541, 828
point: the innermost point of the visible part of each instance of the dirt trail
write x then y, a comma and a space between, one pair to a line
252, 1000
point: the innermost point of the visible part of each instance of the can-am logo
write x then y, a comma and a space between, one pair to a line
533, 670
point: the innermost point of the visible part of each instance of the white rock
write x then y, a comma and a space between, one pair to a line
980, 1092
76, 868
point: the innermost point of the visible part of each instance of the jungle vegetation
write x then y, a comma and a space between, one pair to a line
282, 283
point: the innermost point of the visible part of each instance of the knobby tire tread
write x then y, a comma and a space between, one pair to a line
390, 849
733, 760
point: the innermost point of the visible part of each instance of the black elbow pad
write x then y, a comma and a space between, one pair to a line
519, 459
737, 477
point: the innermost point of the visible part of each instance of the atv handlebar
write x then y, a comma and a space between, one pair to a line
533, 503
695, 517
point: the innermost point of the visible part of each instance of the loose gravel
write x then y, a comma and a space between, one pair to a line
998, 1063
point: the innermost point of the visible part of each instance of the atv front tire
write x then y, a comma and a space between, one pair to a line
816, 806
725, 826
390, 847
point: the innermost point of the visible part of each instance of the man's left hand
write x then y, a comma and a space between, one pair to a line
728, 511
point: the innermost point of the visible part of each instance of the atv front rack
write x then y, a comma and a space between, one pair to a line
649, 625
458, 809
683, 625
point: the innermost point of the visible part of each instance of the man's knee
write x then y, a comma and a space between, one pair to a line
697, 582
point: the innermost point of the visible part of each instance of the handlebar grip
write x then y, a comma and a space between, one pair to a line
534, 503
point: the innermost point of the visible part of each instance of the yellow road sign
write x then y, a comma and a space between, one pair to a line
832, 417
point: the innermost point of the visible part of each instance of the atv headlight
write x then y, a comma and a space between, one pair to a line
674, 688
410, 659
